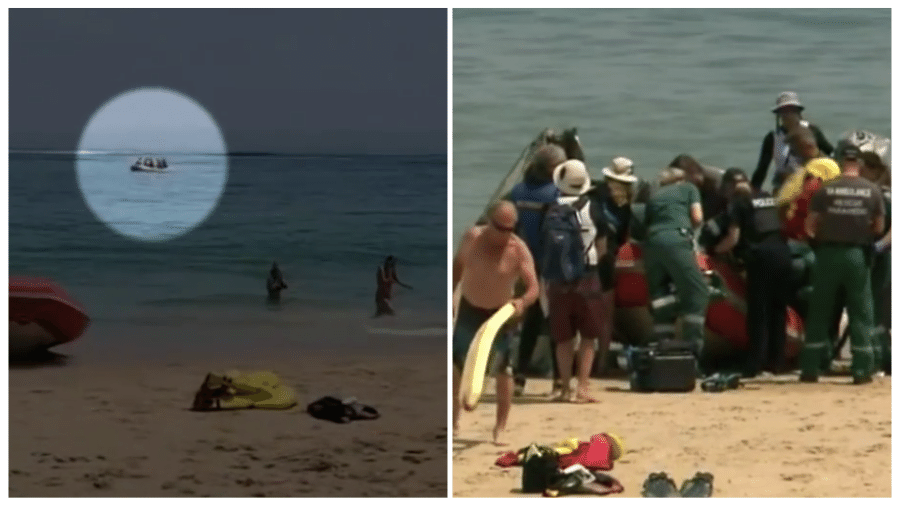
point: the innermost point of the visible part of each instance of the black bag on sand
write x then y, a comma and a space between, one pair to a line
664, 366
540, 468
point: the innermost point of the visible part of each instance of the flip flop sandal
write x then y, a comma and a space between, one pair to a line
701, 485
713, 383
563, 396
659, 485
719, 382
732, 381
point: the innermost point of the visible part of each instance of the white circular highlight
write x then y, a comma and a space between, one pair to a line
158, 204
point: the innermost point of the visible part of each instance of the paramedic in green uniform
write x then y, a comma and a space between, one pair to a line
845, 216
874, 169
672, 214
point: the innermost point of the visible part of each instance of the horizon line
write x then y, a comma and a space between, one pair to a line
13, 150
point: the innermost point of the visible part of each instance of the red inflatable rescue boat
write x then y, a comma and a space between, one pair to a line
42, 315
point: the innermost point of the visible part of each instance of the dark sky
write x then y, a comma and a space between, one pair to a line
288, 80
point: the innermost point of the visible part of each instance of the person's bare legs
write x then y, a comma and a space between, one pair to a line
565, 356
504, 403
457, 378
585, 362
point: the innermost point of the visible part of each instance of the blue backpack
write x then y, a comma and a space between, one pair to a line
563, 250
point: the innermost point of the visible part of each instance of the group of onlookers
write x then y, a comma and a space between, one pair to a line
556, 236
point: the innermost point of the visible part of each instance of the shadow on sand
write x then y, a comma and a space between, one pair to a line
36, 359
460, 445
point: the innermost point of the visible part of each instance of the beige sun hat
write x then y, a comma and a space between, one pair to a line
787, 99
621, 169
572, 178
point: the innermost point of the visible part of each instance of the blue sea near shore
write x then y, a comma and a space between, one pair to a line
650, 84
329, 221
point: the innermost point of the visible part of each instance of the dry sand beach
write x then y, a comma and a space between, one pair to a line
771, 438
123, 428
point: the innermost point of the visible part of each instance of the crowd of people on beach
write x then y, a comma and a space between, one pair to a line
555, 238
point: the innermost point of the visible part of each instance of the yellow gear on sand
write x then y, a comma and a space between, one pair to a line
567, 446
259, 389
825, 169
618, 446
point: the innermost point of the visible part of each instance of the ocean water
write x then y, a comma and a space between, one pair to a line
329, 221
148, 205
650, 84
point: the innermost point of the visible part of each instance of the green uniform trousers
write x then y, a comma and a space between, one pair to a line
881, 298
669, 255
840, 266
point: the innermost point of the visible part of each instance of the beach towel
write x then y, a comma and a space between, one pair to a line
250, 390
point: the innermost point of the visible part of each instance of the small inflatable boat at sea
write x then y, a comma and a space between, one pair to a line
149, 164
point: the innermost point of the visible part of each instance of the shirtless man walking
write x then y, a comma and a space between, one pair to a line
490, 260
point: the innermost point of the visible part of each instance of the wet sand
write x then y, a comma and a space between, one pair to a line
773, 437
123, 428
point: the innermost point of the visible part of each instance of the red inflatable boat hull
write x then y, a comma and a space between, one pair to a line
42, 314
726, 319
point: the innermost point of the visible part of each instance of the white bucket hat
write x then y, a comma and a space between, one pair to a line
787, 99
572, 178
620, 169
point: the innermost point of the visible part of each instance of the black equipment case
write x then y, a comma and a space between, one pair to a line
664, 366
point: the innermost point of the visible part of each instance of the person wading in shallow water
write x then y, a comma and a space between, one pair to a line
275, 284
387, 276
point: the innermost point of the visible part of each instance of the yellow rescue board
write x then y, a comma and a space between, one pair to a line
475, 366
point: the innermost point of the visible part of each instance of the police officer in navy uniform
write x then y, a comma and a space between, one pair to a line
752, 233
845, 216
531, 197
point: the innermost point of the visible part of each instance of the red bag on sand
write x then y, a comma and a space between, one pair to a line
595, 455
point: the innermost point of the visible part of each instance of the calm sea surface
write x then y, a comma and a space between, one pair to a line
329, 221
653, 83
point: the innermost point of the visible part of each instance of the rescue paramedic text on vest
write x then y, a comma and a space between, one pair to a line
845, 214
